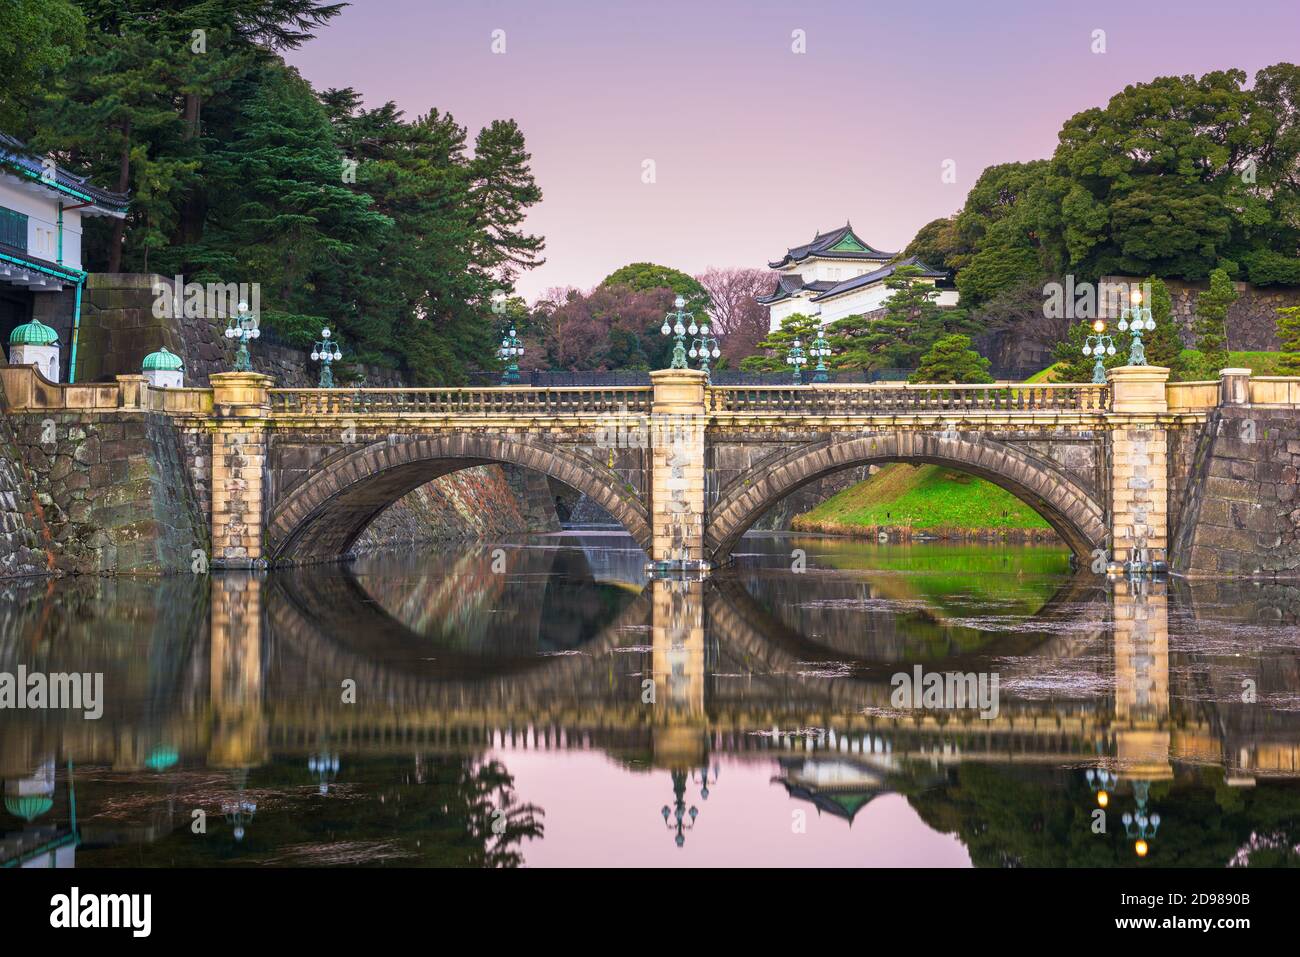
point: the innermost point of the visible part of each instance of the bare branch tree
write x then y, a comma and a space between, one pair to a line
739, 320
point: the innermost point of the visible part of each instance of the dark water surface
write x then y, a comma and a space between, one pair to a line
541, 703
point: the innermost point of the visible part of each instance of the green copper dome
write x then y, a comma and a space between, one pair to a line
34, 333
29, 806
162, 361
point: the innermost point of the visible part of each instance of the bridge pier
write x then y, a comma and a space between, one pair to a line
677, 433
1139, 469
241, 409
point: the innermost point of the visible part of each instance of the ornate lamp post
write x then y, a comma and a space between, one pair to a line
821, 350
243, 326
512, 349
1099, 345
675, 326
1137, 318
326, 352
704, 346
797, 360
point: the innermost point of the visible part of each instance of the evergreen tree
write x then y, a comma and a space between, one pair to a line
951, 359
292, 224
911, 323
1211, 324
502, 192
1288, 334
37, 39
776, 345
649, 277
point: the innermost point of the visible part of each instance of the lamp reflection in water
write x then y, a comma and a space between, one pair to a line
1101, 782
1140, 825
239, 810
675, 816
324, 767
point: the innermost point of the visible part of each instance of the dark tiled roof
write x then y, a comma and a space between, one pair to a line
788, 285
54, 270
878, 275
15, 155
785, 286
822, 243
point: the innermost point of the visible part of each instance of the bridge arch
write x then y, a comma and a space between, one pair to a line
1053, 493
320, 517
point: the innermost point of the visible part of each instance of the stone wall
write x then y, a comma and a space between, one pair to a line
114, 491
484, 503
1252, 319
1242, 514
24, 536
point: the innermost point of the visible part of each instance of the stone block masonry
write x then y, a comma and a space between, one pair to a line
114, 491
25, 546
1242, 518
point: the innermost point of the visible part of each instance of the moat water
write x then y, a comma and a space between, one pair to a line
540, 703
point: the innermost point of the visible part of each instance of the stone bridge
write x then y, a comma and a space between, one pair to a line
295, 475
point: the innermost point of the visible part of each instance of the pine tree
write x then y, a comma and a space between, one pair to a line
952, 359
502, 192
1211, 324
911, 323
1288, 334
292, 224
776, 345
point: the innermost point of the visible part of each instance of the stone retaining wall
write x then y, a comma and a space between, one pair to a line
115, 495
25, 546
1242, 516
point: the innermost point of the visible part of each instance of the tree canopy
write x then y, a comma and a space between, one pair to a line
396, 232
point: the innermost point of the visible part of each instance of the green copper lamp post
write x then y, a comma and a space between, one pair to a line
512, 349
797, 359
243, 326
1137, 319
675, 326
704, 346
1099, 345
821, 350
326, 352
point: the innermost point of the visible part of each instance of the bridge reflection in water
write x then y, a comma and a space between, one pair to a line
405, 691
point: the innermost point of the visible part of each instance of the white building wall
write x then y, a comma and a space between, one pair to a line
779, 311
854, 303
41, 206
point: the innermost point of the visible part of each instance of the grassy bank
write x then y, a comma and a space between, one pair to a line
907, 500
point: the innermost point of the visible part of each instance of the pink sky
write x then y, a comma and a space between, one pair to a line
599, 814
756, 147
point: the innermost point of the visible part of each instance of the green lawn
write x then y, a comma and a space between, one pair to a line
1046, 375
923, 497
1259, 363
